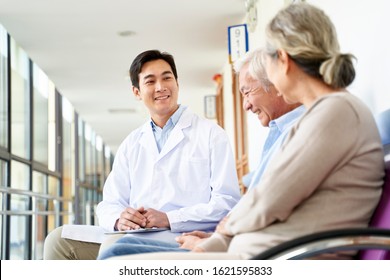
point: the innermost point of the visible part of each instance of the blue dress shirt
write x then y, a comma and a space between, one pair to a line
161, 134
279, 128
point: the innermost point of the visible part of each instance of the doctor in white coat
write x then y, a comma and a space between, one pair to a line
175, 171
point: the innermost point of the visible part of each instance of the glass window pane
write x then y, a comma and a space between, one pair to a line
20, 107
19, 234
68, 179
54, 186
99, 163
90, 155
68, 147
107, 161
3, 173
82, 205
39, 233
39, 184
41, 115
54, 205
3, 88
52, 128
39, 205
81, 144
19, 223
20, 175
3, 183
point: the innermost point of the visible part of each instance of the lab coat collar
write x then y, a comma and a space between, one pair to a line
177, 134
147, 139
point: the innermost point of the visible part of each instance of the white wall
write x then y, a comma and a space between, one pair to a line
363, 29
266, 9
228, 102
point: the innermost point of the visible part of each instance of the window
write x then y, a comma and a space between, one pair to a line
90, 155
44, 183
54, 206
99, 162
68, 179
39, 205
81, 150
20, 176
3, 173
19, 233
44, 118
3, 183
3, 88
20, 107
107, 162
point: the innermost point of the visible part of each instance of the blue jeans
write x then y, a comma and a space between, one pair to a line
138, 245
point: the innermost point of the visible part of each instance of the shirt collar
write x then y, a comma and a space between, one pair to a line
287, 119
174, 119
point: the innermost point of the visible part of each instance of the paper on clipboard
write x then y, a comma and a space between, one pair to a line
87, 233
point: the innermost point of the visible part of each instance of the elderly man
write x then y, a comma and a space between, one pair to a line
262, 99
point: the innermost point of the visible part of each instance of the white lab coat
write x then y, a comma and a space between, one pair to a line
193, 179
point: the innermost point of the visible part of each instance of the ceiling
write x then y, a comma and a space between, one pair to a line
77, 43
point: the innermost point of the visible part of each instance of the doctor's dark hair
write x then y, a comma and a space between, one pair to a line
146, 56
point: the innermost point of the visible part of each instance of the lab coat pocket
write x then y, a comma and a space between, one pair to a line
197, 184
199, 167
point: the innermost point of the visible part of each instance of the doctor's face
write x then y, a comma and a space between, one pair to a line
158, 88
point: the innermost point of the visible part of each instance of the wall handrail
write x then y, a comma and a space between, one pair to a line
9, 190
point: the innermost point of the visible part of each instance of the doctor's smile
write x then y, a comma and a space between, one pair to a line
162, 97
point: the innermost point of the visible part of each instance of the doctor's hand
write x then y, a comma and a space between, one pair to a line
156, 218
131, 218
